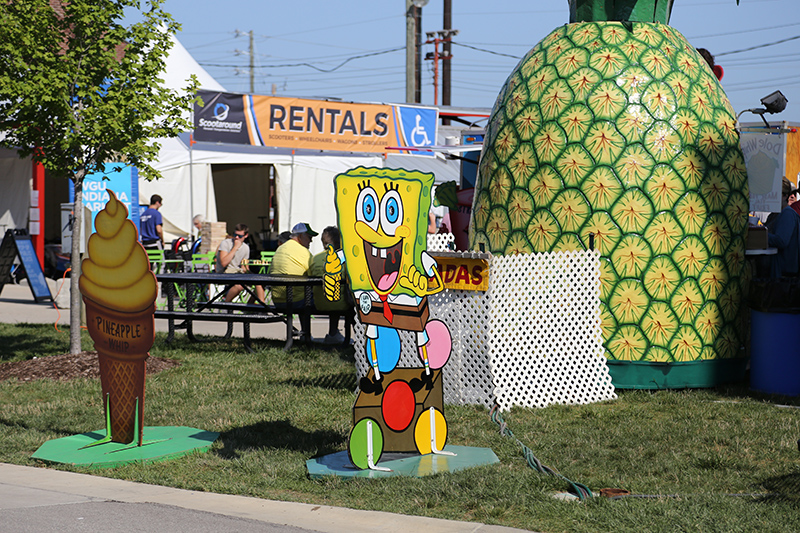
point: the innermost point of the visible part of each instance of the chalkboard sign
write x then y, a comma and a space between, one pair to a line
18, 243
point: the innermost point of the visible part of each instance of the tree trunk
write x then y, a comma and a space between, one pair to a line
75, 263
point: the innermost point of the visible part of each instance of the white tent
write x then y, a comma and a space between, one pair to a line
304, 183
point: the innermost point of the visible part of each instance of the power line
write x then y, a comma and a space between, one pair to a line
743, 31
312, 43
773, 81
229, 39
756, 47
337, 26
485, 50
337, 67
759, 87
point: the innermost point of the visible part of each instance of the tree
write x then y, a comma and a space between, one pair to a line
80, 87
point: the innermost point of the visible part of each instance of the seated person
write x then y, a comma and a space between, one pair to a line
230, 255
197, 221
330, 236
293, 258
785, 236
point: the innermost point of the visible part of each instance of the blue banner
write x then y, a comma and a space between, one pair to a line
124, 183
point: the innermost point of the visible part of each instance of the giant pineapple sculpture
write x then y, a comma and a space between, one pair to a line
615, 126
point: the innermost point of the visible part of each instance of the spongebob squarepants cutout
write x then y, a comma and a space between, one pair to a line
383, 219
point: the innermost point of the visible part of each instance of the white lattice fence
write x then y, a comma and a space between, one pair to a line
546, 344
532, 339
440, 242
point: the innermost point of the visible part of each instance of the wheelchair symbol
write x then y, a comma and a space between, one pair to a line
419, 131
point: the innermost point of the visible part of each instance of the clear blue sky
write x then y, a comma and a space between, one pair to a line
325, 34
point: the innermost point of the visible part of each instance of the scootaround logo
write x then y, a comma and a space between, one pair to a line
219, 120
221, 111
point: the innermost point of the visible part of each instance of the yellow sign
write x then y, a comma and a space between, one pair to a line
463, 274
323, 125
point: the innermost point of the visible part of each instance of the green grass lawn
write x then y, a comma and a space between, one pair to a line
723, 459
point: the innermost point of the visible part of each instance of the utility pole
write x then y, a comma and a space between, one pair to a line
436, 38
252, 65
447, 24
413, 50
252, 53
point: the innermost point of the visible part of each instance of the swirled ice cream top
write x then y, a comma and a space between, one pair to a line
117, 272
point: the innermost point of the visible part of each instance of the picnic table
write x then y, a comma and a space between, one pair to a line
217, 310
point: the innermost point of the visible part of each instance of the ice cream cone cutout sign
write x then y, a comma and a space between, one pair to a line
119, 291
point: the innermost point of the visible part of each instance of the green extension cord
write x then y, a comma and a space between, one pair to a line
579, 489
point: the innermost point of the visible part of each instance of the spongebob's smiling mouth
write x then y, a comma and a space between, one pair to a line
383, 265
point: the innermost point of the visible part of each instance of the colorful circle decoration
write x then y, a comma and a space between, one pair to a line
439, 343
359, 443
397, 405
422, 431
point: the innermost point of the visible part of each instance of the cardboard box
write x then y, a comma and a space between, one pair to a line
213, 233
757, 238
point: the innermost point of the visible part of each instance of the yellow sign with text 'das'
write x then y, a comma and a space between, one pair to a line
462, 273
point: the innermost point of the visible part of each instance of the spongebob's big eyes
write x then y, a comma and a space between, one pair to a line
391, 212
367, 207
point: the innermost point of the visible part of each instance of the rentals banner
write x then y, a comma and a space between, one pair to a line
312, 124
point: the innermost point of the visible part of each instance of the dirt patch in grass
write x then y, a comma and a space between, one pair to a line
68, 366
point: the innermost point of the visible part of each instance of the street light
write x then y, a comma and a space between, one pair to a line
773, 103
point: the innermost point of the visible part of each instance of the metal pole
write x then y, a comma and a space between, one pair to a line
191, 188
447, 22
291, 192
418, 55
410, 49
436, 42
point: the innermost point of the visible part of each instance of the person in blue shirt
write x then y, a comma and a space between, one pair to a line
786, 238
151, 223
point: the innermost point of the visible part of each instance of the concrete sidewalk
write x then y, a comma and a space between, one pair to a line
44, 500
18, 306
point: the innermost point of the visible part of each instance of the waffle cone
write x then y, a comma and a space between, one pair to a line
123, 383
122, 341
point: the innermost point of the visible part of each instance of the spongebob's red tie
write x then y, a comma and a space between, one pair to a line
386, 311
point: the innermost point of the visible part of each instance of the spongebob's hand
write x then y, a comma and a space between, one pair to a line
415, 280
332, 280
419, 282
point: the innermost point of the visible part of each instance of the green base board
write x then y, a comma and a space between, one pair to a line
403, 464
160, 443
688, 375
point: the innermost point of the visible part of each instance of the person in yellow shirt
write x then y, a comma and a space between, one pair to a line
294, 258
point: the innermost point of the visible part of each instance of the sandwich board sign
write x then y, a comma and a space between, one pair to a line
17, 243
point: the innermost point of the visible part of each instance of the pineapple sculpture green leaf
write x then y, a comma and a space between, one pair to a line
615, 126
